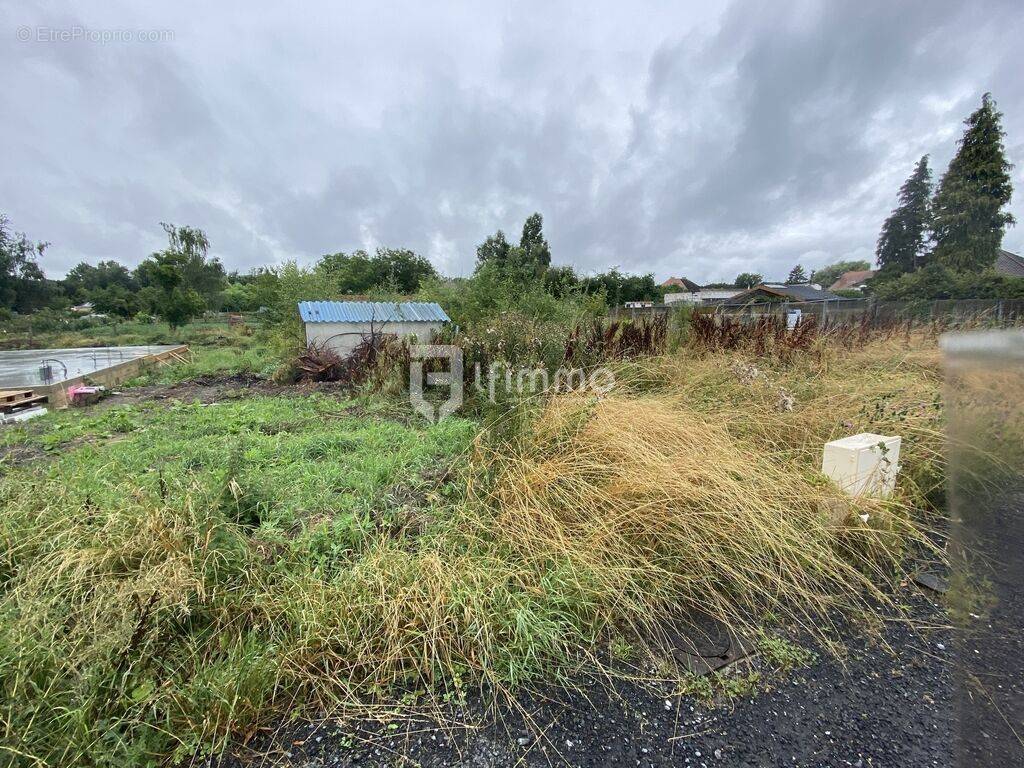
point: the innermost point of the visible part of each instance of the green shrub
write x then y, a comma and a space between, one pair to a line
936, 281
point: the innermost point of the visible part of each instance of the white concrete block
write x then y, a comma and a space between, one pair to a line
23, 415
864, 464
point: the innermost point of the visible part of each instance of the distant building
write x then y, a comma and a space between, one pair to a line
342, 325
703, 296
1009, 264
853, 281
639, 304
82, 309
682, 283
780, 292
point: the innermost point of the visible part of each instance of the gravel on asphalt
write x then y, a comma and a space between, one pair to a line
888, 702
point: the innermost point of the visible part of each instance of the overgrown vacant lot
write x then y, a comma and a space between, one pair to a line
177, 574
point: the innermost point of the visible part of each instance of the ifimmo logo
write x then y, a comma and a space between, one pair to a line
419, 353
522, 382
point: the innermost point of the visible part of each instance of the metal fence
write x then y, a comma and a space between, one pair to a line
948, 311
953, 312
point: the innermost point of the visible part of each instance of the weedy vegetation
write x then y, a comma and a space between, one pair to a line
208, 361
167, 580
176, 574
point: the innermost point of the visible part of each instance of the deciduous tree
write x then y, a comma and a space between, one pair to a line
561, 281
494, 250
110, 287
169, 276
521, 263
23, 286
748, 279
199, 273
620, 287
397, 270
535, 249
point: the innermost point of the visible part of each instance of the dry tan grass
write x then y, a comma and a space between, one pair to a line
892, 385
657, 508
695, 485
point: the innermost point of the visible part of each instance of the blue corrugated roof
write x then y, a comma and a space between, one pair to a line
371, 311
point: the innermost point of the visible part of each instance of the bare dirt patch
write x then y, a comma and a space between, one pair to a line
211, 389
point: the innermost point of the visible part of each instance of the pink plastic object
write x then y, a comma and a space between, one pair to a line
82, 395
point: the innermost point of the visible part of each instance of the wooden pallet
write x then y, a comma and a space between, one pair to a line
16, 399
14, 395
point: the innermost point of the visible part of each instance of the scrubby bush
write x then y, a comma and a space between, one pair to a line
476, 302
936, 281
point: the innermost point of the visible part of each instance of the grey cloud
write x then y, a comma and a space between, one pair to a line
677, 140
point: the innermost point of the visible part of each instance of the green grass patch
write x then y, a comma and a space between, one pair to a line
60, 428
173, 567
212, 361
782, 654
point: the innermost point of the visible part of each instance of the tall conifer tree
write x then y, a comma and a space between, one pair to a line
968, 209
902, 242
797, 276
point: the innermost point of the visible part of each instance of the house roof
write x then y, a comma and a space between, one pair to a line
1009, 264
681, 282
852, 279
791, 292
371, 312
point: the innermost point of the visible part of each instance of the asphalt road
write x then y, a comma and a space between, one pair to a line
878, 707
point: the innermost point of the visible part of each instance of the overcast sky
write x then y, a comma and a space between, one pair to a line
685, 139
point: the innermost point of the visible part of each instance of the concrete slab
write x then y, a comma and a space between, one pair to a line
52, 372
24, 368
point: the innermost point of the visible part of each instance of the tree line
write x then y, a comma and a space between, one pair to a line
530, 261
182, 281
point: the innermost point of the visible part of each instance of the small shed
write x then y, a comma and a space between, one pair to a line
342, 325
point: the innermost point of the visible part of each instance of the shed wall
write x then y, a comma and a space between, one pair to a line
345, 337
